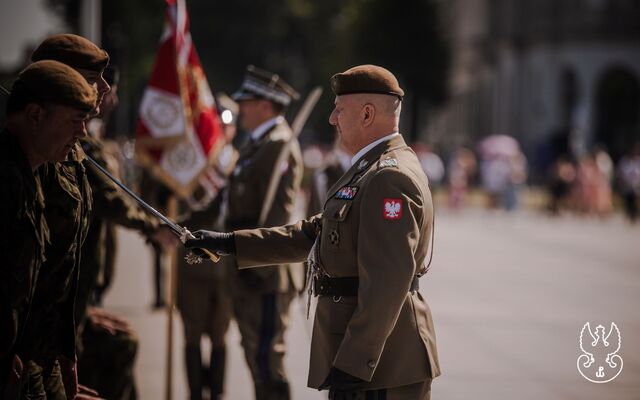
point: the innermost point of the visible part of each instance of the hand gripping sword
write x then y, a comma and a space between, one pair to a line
180, 231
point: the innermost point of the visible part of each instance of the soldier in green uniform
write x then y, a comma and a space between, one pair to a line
203, 297
50, 336
108, 344
261, 298
111, 357
46, 113
373, 334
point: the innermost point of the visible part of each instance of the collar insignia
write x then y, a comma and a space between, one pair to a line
389, 162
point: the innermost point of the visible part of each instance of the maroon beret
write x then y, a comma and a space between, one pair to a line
57, 83
73, 50
366, 79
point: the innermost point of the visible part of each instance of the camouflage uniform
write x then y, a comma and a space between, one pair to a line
106, 362
50, 331
21, 247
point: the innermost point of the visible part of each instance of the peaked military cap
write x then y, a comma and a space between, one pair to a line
366, 79
259, 83
73, 50
54, 82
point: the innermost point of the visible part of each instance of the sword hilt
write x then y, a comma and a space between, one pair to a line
196, 258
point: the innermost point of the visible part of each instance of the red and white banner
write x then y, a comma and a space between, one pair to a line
179, 131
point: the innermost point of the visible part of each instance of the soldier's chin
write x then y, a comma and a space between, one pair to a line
95, 112
63, 154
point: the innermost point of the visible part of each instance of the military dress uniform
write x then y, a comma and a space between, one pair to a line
261, 298
22, 241
374, 229
204, 301
373, 334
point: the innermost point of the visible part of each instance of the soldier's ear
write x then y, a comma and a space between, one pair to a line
368, 114
34, 113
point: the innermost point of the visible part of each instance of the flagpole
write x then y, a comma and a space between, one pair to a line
172, 212
172, 206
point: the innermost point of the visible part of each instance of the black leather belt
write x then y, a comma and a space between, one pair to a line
345, 287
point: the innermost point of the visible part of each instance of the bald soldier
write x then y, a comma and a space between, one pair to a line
373, 334
46, 112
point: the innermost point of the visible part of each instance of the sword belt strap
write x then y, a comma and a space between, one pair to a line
347, 286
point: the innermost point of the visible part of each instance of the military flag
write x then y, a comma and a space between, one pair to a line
179, 132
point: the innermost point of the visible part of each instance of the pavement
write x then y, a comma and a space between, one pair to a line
509, 292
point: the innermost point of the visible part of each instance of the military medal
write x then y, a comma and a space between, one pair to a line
346, 193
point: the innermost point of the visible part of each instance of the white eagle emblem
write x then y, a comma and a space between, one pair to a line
600, 362
392, 208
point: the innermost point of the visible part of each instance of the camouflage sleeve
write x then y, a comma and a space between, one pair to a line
112, 204
10, 198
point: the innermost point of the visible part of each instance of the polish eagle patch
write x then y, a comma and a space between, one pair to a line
392, 209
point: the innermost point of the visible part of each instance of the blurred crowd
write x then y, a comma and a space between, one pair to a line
497, 170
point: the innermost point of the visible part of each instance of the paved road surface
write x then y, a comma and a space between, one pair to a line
509, 293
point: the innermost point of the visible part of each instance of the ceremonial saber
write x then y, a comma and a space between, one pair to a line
180, 231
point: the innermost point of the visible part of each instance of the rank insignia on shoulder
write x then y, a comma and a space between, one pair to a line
346, 193
389, 162
392, 209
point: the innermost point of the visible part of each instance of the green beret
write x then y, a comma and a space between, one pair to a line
73, 50
366, 79
56, 83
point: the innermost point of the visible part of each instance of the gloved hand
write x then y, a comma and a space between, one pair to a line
222, 243
338, 380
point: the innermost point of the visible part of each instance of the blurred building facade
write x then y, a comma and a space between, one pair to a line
552, 73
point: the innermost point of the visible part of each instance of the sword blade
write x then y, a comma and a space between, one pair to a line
174, 227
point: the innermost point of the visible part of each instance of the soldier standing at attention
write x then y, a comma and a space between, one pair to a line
46, 111
261, 298
102, 200
49, 339
203, 296
373, 334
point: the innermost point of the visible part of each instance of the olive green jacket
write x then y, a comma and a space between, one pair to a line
23, 237
110, 204
50, 331
376, 226
246, 192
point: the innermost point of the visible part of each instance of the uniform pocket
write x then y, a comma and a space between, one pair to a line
336, 232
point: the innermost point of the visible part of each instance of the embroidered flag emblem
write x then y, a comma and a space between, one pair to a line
392, 209
347, 193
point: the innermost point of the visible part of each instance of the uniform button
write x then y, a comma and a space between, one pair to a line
371, 364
